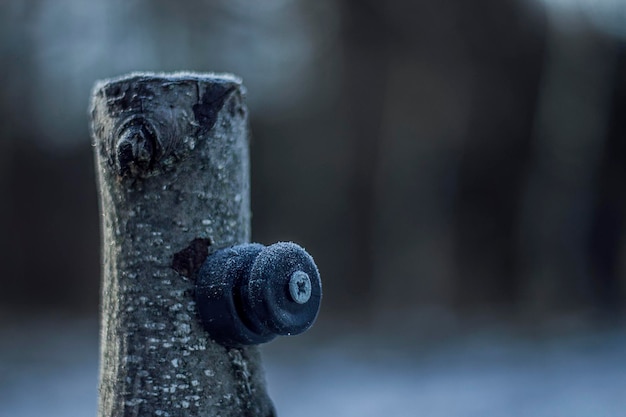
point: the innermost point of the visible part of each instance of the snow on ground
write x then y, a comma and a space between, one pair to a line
49, 368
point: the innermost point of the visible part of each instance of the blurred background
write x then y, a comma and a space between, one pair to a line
454, 167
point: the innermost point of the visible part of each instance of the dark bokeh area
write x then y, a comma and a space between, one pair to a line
442, 161
450, 156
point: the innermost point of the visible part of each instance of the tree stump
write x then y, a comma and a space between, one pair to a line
172, 162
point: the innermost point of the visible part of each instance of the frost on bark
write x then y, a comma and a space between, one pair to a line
171, 155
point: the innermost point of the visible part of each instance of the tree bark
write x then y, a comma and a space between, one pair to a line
171, 156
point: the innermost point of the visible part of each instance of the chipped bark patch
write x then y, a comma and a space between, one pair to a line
188, 261
210, 104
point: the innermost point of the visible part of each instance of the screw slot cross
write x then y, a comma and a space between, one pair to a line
300, 287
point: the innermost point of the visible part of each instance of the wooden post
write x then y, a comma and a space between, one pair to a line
171, 155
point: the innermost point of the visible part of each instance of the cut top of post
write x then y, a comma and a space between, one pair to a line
145, 120
164, 77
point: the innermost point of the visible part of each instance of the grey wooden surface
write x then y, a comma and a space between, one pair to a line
173, 170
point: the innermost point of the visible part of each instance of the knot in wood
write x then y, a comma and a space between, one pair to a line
137, 148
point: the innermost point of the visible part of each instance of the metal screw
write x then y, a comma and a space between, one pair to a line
300, 287
249, 294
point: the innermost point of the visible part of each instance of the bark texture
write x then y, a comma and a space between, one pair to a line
172, 162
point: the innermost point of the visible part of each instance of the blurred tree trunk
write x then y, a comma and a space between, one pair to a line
569, 138
607, 243
365, 71
172, 162
506, 43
